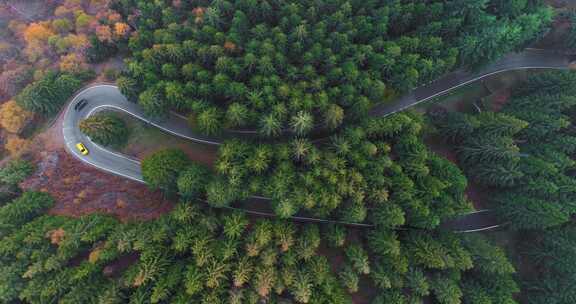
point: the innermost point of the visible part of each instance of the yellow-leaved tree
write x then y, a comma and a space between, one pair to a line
121, 29
36, 36
16, 146
71, 63
38, 32
14, 118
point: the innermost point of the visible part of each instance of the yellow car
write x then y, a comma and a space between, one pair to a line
82, 148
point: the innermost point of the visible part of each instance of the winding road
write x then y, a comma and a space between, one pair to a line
105, 96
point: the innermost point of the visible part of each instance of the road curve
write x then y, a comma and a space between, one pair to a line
480, 220
106, 96
528, 59
101, 97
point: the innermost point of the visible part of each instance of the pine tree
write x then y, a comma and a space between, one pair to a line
105, 129
242, 272
358, 258
349, 279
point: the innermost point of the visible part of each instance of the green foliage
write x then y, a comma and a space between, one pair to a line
335, 235
293, 65
209, 121
349, 177
220, 194
551, 252
127, 87
302, 123
15, 171
503, 37
349, 279
234, 225
358, 258
105, 129
191, 255
161, 169
153, 104
571, 36
22, 210
524, 152
47, 95
390, 297
192, 181
446, 290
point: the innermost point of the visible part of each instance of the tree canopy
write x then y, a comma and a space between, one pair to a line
294, 65
48, 94
105, 129
525, 151
161, 169
194, 255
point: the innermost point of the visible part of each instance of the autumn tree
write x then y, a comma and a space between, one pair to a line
14, 80
71, 63
16, 146
14, 118
121, 29
36, 36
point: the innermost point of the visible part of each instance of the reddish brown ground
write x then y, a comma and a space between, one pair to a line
499, 99
79, 189
117, 267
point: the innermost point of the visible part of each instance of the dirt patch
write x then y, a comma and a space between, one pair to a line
438, 146
115, 63
498, 100
79, 189
555, 39
117, 267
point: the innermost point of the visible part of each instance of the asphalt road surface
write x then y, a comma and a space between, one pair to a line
473, 222
108, 97
101, 97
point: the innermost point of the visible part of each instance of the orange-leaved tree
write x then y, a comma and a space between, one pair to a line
121, 29
14, 118
16, 146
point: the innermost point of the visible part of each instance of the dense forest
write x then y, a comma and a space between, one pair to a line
523, 152
551, 252
379, 171
292, 65
193, 255
524, 155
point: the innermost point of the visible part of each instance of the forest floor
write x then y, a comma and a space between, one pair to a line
80, 189
144, 140
487, 93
